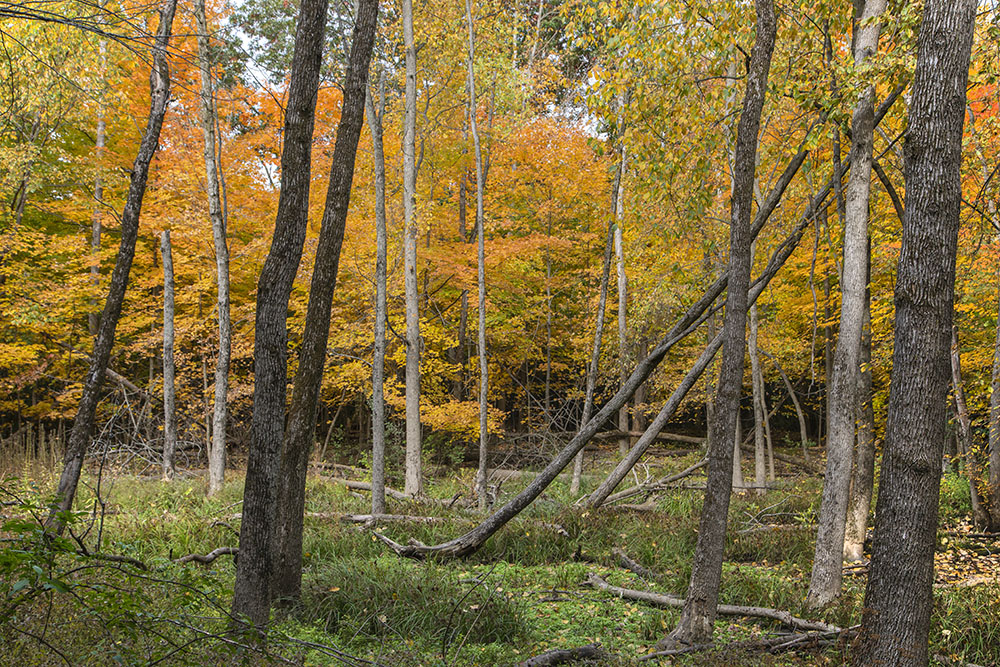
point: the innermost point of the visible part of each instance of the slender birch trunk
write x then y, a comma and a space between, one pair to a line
169, 394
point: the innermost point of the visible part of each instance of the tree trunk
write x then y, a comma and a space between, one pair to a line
286, 580
255, 566
94, 316
757, 394
83, 423
414, 481
824, 586
973, 471
623, 421
378, 363
898, 599
169, 393
595, 355
461, 353
697, 618
863, 476
803, 431
994, 479
209, 119
484, 433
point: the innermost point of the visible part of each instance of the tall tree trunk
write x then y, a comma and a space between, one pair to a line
169, 392
413, 485
973, 471
824, 586
623, 421
863, 475
484, 433
286, 580
209, 120
698, 616
255, 566
378, 362
757, 395
898, 599
994, 441
460, 356
83, 423
738, 483
595, 355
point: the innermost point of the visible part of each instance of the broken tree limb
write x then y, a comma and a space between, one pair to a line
673, 601
772, 645
634, 566
662, 435
561, 656
209, 557
658, 484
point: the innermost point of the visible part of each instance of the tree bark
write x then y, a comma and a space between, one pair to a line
623, 421
286, 580
378, 363
757, 395
83, 423
209, 119
698, 615
863, 475
169, 392
484, 433
414, 480
898, 598
825, 584
993, 492
251, 590
94, 316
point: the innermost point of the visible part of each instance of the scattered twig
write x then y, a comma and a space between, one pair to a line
673, 601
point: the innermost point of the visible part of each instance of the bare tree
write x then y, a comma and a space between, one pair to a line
899, 596
83, 423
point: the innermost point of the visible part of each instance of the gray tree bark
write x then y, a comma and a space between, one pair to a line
169, 391
255, 566
83, 422
757, 394
484, 433
623, 421
973, 471
378, 362
94, 317
413, 485
993, 492
698, 616
825, 584
209, 119
898, 598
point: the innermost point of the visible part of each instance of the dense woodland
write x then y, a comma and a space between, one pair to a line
358, 302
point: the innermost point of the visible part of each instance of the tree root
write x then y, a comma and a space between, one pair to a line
673, 601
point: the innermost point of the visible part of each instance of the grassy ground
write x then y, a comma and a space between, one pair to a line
523, 593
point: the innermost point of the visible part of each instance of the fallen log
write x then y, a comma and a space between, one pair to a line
634, 566
674, 601
658, 484
209, 557
771, 645
564, 655
661, 435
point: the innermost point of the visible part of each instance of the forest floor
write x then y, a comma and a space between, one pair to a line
524, 593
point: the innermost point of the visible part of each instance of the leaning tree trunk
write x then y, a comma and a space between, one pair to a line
251, 591
378, 362
209, 118
413, 484
824, 586
898, 599
83, 423
169, 391
286, 580
697, 618
484, 432
595, 355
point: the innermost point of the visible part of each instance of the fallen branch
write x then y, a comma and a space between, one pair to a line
673, 601
629, 564
771, 645
661, 435
658, 484
774, 528
366, 486
560, 656
209, 557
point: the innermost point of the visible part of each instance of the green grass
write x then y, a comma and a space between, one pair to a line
521, 594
